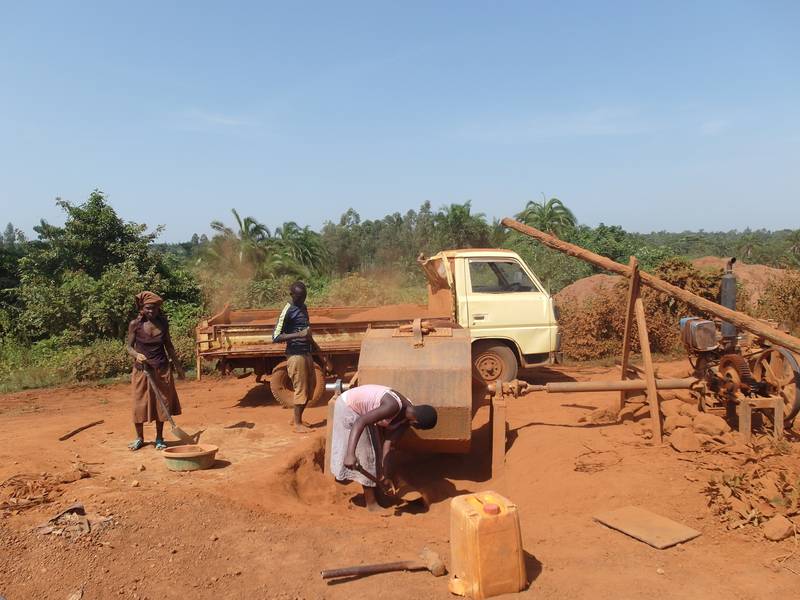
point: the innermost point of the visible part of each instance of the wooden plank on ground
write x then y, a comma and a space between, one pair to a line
645, 526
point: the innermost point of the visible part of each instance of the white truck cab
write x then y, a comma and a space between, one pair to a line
494, 294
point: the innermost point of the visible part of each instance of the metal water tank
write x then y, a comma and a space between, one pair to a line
434, 369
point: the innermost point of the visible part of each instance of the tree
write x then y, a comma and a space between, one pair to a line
550, 215
92, 238
9, 235
456, 227
248, 243
78, 281
302, 245
748, 245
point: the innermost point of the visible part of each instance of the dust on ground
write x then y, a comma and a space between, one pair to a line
265, 520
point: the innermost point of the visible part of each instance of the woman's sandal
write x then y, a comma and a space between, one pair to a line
160, 445
136, 444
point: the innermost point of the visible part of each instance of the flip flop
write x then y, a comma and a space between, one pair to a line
160, 445
136, 444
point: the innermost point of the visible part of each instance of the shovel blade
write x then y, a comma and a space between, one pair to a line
182, 435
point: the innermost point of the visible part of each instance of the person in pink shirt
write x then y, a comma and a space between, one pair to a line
384, 415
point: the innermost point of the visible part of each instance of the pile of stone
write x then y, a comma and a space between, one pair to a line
687, 429
759, 495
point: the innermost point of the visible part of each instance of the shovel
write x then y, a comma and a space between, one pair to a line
176, 431
403, 492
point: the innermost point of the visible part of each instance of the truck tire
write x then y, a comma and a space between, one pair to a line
494, 361
281, 385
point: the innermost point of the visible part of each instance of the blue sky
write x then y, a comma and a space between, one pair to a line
650, 115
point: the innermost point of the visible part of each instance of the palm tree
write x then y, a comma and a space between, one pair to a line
550, 215
457, 227
303, 245
247, 246
748, 244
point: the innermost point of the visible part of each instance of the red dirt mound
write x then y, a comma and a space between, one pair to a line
584, 288
753, 277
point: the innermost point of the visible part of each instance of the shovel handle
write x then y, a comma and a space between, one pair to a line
149, 374
357, 571
389, 489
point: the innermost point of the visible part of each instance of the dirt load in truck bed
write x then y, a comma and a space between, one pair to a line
331, 315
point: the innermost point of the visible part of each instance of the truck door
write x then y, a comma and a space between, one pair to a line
504, 302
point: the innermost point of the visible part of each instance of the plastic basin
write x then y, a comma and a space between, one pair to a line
191, 457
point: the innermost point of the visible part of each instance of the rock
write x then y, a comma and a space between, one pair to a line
642, 411
688, 409
778, 528
639, 398
141, 468
668, 394
626, 414
671, 407
134, 483
660, 571
725, 439
214, 537
703, 438
672, 422
710, 424
683, 440
669, 424
601, 416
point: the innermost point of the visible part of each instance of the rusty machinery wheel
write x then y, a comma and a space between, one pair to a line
494, 361
781, 372
281, 385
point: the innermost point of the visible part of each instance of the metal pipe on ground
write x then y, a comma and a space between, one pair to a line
737, 318
564, 387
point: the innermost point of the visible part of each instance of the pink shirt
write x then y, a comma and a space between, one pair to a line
365, 398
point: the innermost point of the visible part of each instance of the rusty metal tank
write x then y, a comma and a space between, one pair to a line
430, 365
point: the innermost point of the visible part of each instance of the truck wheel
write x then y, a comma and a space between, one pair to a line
281, 385
494, 361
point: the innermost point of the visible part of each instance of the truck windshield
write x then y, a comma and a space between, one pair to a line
499, 276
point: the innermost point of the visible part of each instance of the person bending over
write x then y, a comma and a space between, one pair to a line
367, 422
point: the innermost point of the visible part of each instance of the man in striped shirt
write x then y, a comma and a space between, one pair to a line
293, 327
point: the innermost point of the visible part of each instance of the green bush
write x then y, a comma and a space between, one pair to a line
99, 360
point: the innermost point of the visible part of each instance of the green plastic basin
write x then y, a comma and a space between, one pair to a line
191, 457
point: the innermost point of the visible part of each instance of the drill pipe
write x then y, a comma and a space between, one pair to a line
739, 319
562, 387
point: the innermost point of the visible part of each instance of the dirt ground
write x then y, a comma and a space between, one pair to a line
265, 521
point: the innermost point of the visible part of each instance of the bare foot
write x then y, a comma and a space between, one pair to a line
302, 429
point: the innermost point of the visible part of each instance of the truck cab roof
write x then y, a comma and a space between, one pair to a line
475, 252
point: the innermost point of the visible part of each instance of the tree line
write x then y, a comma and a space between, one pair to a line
74, 284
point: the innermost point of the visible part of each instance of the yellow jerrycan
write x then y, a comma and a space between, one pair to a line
486, 557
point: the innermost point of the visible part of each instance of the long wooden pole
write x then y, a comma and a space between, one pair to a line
731, 316
649, 370
633, 294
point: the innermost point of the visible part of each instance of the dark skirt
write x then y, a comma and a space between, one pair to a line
146, 406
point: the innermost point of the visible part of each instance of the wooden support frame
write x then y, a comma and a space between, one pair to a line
635, 312
649, 371
498, 421
633, 293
